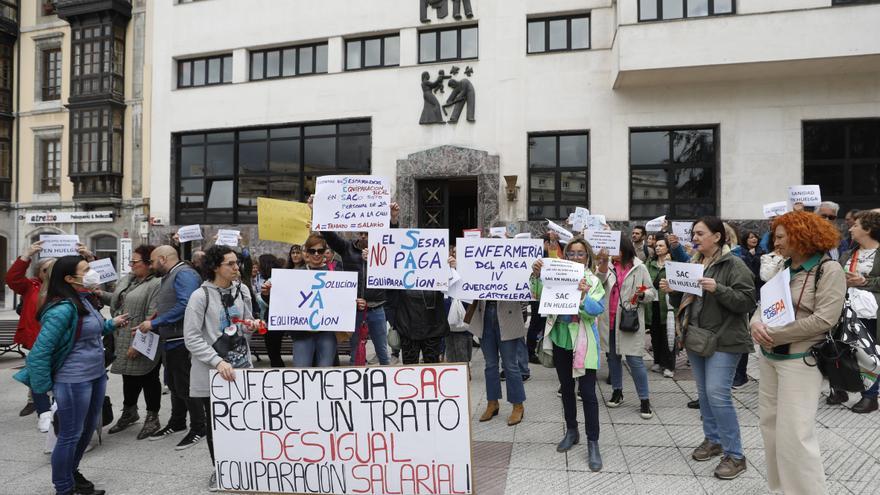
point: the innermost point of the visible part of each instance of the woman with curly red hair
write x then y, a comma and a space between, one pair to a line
789, 389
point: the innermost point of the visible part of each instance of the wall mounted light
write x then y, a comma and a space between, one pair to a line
512, 188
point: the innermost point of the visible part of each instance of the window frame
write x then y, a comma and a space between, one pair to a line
51, 79
207, 61
47, 178
684, 11
557, 171
838, 3
568, 18
281, 49
362, 43
438, 43
670, 201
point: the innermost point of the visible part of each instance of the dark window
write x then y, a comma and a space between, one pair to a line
96, 150
204, 71
5, 158
559, 34
673, 172
9, 10
853, 2
221, 174
47, 7
98, 60
50, 166
459, 43
558, 174
104, 246
368, 53
51, 74
289, 61
6, 77
843, 158
655, 10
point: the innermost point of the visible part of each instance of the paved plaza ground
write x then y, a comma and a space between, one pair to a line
640, 457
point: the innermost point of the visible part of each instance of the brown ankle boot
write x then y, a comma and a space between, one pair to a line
491, 411
516, 415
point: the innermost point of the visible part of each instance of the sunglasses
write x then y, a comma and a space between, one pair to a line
316, 251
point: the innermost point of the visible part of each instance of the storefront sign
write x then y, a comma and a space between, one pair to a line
69, 217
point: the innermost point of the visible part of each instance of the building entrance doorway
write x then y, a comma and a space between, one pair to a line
448, 204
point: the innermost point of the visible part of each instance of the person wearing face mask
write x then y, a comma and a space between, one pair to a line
68, 358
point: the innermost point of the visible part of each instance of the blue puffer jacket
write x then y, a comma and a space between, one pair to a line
54, 343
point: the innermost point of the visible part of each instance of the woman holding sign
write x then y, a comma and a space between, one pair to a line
715, 333
135, 295
575, 346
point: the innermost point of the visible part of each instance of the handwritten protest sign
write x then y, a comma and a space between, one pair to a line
146, 343
351, 203
319, 301
578, 219
380, 430
472, 233
104, 267
776, 307
775, 209
595, 222
684, 277
495, 269
560, 294
124, 256
684, 232
498, 232
228, 237
189, 233
604, 239
807, 195
409, 259
283, 221
656, 225
564, 235
56, 246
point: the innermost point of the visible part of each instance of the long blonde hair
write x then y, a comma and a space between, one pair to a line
45, 274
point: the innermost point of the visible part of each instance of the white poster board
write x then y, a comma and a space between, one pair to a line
498, 232
776, 307
495, 269
189, 233
564, 235
353, 203
124, 256
408, 259
608, 240
228, 237
56, 246
578, 219
684, 277
377, 430
684, 232
655, 225
807, 195
104, 267
775, 209
313, 300
560, 294
146, 343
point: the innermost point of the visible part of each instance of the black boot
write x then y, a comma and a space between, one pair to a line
594, 458
571, 438
866, 405
128, 417
616, 398
836, 397
82, 486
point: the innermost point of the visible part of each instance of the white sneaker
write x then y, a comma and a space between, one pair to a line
656, 368
669, 373
44, 421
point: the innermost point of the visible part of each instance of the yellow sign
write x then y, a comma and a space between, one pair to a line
283, 221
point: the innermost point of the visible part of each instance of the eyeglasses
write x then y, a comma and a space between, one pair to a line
134, 262
828, 217
575, 254
316, 251
230, 264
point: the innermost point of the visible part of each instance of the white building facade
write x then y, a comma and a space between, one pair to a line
633, 108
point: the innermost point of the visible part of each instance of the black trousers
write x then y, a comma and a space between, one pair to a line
587, 384
273, 348
205, 404
177, 361
662, 355
149, 383
428, 348
536, 328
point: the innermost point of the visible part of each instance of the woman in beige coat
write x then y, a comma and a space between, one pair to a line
628, 287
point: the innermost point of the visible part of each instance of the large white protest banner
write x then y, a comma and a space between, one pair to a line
104, 267
124, 256
145, 343
354, 203
58, 245
775, 209
495, 269
313, 300
684, 232
684, 277
189, 233
776, 307
408, 259
379, 430
560, 294
806, 195
608, 240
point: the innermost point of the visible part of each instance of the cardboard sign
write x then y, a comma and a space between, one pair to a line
776, 307
684, 277
146, 343
124, 256
378, 430
498, 232
104, 267
472, 233
227, 237
595, 222
775, 209
807, 195
56, 246
604, 239
564, 235
560, 294
351, 203
655, 225
579, 219
189, 233
495, 269
684, 232
313, 300
409, 259
283, 221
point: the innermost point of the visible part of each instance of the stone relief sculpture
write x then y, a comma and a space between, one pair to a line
431, 111
462, 94
442, 8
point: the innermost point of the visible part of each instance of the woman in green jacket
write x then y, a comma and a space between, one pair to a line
655, 313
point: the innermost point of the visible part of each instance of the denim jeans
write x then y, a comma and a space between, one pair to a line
378, 333
42, 403
509, 350
523, 356
79, 410
636, 368
314, 350
714, 376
